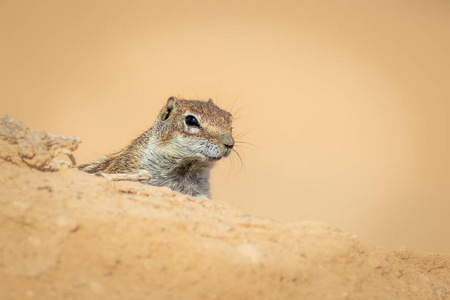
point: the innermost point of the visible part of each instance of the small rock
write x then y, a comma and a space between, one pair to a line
64, 222
251, 252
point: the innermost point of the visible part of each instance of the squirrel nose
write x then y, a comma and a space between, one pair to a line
228, 141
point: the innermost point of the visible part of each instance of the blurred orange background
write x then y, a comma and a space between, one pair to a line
345, 104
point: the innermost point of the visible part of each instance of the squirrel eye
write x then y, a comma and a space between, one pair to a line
192, 121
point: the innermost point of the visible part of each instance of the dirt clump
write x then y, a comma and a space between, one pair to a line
21, 145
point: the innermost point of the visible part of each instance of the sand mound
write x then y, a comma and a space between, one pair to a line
72, 235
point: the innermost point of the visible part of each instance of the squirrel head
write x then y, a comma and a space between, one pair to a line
200, 130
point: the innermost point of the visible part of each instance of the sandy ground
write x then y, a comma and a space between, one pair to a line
341, 108
71, 235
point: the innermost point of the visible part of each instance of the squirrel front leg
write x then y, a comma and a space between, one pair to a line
142, 175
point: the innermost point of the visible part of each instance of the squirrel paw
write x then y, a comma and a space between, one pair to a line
140, 176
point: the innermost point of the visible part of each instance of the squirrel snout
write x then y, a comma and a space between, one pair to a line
228, 141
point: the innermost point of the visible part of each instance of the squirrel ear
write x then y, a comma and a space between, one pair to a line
171, 103
168, 109
210, 101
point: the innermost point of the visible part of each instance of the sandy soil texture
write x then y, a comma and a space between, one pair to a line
72, 235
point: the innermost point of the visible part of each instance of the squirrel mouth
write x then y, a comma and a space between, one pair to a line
205, 157
212, 158
216, 158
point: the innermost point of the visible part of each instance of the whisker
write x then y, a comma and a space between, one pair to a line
234, 119
234, 102
196, 94
231, 167
248, 144
240, 159
243, 133
235, 113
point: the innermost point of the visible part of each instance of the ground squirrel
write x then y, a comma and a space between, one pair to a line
178, 151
